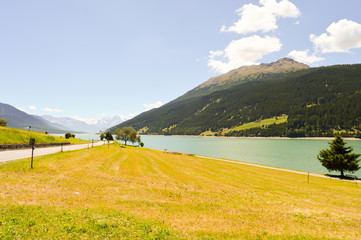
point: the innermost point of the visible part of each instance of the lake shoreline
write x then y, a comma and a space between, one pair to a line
286, 138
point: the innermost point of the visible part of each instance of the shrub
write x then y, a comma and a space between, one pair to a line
3, 122
68, 135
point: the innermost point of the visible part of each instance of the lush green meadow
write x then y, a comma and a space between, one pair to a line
19, 136
262, 123
137, 193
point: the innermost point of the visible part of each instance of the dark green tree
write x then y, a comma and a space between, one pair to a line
68, 135
3, 122
109, 136
339, 157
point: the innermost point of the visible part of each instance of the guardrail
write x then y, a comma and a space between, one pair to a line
4, 147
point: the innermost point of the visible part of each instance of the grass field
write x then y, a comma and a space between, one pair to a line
137, 193
264, 122
261, 123
19, 136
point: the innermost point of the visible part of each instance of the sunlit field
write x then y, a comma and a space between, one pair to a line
138, 193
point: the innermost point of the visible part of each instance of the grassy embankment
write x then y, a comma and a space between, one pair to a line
261, 123
19, 136
136, 193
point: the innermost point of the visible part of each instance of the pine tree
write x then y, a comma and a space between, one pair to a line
109, 136
339, 157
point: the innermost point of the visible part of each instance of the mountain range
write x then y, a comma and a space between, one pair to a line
318, 102
87, 127
20, 119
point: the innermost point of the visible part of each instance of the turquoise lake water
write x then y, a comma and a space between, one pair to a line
297, 154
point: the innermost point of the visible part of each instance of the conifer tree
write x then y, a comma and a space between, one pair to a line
339, 157
109, 136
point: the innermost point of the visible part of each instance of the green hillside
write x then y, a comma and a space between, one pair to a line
238, 76
18, 136
318, 102
138, 193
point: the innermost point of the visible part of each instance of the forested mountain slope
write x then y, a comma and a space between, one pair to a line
317, 101
245, 74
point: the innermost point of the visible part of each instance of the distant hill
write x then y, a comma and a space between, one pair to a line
318, 101
72, 124
22, 120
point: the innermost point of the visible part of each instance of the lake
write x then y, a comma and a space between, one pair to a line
297, 154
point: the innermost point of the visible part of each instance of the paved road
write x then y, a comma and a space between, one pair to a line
6, 156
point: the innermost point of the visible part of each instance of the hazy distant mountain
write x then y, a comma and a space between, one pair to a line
19, 119
107, 122
92, 126
72, 124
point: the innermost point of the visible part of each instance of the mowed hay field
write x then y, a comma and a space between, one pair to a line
138, 193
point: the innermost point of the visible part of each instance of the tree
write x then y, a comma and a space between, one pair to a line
3, 122
339, 157
68, 135
109, 136
124, 134
102, 136
138, 140
133, 137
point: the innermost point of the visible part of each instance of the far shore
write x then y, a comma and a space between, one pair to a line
302, 138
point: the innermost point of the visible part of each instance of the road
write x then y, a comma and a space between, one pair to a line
6, 156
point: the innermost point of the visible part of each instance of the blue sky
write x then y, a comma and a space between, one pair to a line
88, 59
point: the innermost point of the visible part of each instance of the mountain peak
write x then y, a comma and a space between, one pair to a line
283, 65
286, 60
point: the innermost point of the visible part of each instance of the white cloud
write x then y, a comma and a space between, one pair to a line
52, 110
304, 57
263, 18
153, 105
131, 115
32, 107
241, 52
90, 121
341, 36
21, 109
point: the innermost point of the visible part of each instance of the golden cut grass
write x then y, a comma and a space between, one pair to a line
184, 196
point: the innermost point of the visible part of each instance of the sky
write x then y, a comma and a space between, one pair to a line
88, 59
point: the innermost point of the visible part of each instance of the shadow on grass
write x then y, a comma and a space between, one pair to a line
346, 177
